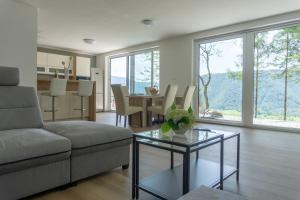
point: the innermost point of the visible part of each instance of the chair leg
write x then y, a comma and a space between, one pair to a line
125, 119
124, 167
130, 120
117, 119
81, 108
120, 118
151, 118
141, 118
53, 108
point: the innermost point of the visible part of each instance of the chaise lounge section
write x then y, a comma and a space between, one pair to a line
35, 157
96, 147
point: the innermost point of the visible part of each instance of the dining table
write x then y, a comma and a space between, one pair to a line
145, 101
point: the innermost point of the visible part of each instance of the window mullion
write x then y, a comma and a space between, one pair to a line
152, 61
248, 79
132, 69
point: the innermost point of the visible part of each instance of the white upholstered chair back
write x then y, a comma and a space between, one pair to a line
147, 90
188, 96
85, 88
58, 87
125, 93
119, 98
169, 97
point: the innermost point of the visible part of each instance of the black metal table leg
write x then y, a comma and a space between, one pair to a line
238, 157
186, 171
197, 154
137, 162
221, 161
172, 159
133, 166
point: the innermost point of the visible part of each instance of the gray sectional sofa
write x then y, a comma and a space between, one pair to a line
36, 157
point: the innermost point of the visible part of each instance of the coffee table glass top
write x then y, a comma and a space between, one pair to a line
190, 138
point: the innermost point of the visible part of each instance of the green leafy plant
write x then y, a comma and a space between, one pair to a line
177, 119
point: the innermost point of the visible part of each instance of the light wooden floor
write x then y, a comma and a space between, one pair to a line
270, 168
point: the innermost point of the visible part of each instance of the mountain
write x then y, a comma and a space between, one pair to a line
226, 94
139, 86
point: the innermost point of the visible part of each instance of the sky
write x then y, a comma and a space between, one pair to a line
230, 52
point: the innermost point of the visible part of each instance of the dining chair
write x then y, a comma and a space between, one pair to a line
168, 100
122, 103
147, 90
187, 97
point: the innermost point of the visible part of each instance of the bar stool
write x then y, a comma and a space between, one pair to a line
57, 88
85, 89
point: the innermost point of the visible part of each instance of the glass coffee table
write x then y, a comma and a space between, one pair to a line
176, 181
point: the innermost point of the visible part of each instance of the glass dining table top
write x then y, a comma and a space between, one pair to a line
191, 137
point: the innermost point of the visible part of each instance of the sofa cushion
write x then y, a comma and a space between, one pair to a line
9, 76
19, 108
18, 145
85, 134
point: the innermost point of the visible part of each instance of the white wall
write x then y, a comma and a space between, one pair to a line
18, 39
177, 54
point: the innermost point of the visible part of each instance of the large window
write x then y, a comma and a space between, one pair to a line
252, 78
118, 75
277, 77
135, 70
220, 79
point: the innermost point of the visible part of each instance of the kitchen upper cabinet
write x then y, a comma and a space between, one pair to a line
42, 59
49, 63
83, 66
55, 60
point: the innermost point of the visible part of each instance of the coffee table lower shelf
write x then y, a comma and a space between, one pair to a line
167, 184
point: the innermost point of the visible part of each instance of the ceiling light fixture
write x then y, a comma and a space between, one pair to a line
147, 22
89, 41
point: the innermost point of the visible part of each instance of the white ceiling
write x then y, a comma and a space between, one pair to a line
115, 24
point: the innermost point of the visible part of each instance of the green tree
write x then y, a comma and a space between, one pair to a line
156, 64
286, 51
206, 52
262, 52
146, 73
146, 60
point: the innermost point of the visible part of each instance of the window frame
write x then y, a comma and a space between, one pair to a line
248, 36
197, 70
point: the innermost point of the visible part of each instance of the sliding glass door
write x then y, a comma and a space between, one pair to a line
220, 79
252, 78
135, 70
277, 77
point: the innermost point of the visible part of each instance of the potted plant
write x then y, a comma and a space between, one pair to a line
153, 90
178, 120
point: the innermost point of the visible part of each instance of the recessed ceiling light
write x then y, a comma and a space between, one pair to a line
147, 22
89, 41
